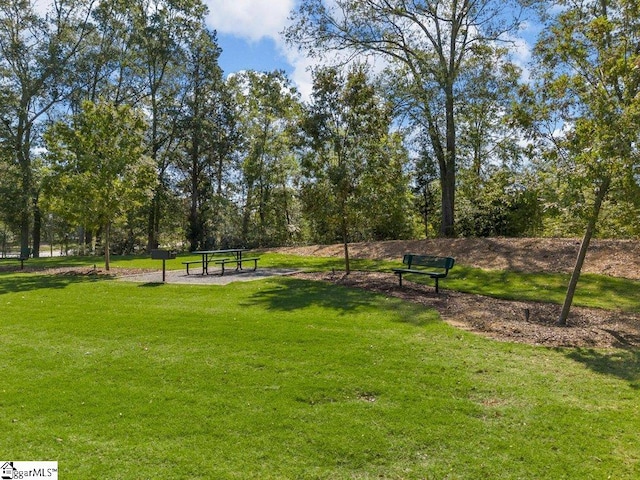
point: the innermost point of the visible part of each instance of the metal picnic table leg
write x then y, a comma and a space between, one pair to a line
205, 264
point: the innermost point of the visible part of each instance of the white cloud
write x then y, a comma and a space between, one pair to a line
250, 19
254, 20
301, 74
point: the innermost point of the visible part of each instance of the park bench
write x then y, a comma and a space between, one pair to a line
238, 261
191, 262
434, 267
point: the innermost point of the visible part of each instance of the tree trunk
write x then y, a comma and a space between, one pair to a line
22, 150
582, 253
448, 185
37, 228
347, 263
154, 220
448, 174
107, 241
345, 239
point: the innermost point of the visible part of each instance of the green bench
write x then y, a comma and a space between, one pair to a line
434, 267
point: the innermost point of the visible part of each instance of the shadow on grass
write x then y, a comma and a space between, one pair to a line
27, 282
291, 294
622, 364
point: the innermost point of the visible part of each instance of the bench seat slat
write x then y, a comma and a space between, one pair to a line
421, 272
231, 260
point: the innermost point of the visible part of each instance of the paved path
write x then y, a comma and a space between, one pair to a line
179, 276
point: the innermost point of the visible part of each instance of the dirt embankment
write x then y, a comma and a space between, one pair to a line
616, 258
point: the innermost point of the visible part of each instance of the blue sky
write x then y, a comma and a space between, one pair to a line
249, 35
241, 54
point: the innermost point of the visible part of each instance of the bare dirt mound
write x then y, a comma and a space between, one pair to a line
617, 258
525, 322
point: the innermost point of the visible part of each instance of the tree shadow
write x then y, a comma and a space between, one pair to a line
151, 284
292, 294
28, 282
287, 294
623, 364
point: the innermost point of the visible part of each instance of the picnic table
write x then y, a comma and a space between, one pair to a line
213, 256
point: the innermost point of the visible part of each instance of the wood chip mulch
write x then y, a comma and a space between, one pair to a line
532, 323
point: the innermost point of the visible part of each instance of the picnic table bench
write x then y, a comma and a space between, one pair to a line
433, 266
238, 261
191, 262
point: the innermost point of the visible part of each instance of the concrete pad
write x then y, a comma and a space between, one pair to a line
180, 276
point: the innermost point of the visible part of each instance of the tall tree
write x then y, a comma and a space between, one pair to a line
37, 52
351, 157
268, 109
208, 128
162, 28
429, 43
589, 59
98, 169
110, 68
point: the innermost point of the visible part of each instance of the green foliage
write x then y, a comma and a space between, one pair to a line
39, 45
499, 206
230, 155
10, 205
209, 135
98, 170
430, 75
589, 79
354, 181
268, 112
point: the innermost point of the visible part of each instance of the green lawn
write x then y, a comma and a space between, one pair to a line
285, 378
598, 291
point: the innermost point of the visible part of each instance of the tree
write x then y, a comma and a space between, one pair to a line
208, 129
268, 111
162, 29
352, 161
109, 69
36, 53
589, 59
98, 169
428, 44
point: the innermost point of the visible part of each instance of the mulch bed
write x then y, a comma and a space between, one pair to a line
532, 323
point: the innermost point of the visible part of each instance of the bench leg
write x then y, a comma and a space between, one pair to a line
400, 278
187, 269
436, 284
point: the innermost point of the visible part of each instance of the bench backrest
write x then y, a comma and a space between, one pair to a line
412, 260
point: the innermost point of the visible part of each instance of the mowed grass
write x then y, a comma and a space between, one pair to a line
598, 291
284, 378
